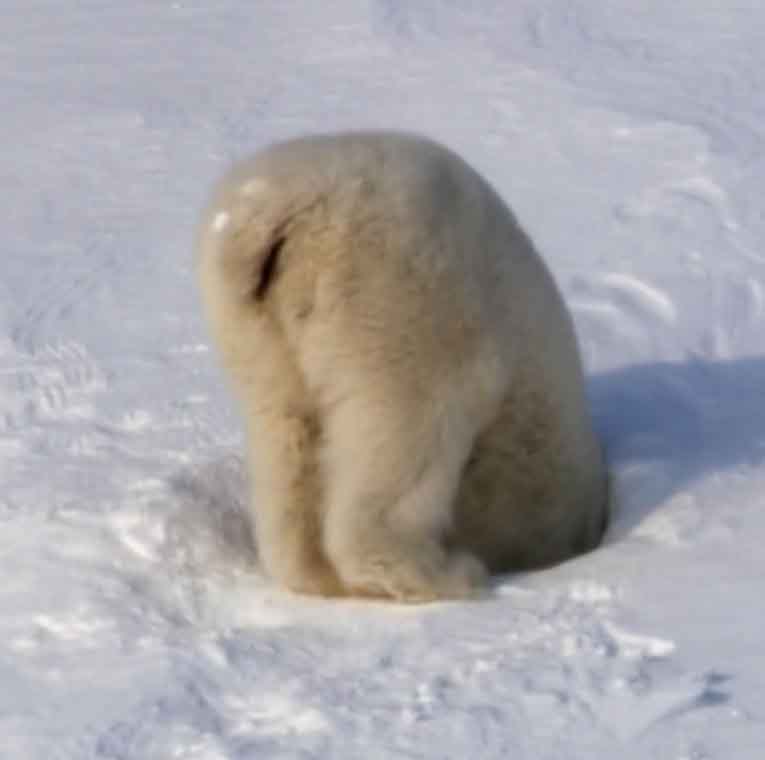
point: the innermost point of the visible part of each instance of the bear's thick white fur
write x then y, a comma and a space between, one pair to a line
408, 372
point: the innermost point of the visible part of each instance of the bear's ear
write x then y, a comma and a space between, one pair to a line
269, 265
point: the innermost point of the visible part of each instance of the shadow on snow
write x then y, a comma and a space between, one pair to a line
682, 421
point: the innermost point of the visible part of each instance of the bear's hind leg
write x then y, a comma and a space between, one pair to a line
391, 483
283, 438
286, 501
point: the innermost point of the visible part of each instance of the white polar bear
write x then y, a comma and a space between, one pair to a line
408, 372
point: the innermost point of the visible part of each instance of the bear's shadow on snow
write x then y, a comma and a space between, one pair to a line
679, 422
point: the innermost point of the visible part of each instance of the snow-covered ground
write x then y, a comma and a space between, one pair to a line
629, 136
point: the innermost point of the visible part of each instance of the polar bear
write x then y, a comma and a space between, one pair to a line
408, 373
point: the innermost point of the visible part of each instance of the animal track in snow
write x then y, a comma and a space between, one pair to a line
622, 309
617, 293
644, 300
54, 383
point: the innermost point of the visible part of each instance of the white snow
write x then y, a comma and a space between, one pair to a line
134, 624
220, 221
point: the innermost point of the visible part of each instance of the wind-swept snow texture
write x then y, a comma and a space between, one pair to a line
134, 624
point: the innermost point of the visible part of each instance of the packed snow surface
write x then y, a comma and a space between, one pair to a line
134, 623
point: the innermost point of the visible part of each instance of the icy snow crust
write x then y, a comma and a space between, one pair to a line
134, 624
